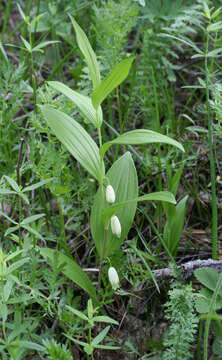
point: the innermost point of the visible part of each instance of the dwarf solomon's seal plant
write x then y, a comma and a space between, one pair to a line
115, 202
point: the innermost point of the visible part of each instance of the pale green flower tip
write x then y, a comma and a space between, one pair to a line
113, 278
110, 194
115, 226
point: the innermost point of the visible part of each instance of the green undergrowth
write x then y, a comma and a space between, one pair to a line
110, 170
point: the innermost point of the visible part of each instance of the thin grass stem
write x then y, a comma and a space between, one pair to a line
212, 162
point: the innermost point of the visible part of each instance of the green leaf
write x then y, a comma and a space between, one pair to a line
22, 13
123, 178
76, 341
37, 185
4, 55
141, 136
203, 301
27, 45
215, 27
207, 277
24, 197
175, 179
105, 319
77, 313
89, 55
206, 10
30, 345
32, 231
8, 288
175, 224
36, 20
100, 336
83, 103
3, 312
7, 192
215, 52
31, 219
13, 255
44, 44
11, 229
116, 77
13, 183
107, 347
72, 270
74, 137
184, 41
88, 348
216, 13
108, 212
8, 218
16, 265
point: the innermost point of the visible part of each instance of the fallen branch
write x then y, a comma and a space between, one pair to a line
188, 268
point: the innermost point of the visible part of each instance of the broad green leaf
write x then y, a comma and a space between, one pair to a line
31, 219
141, 136
175, 224
83, 103
72, 270
203, 301
74, 137
175, 179
123, 178
89, 55
37, 185
208, 277
115, 78
108, 212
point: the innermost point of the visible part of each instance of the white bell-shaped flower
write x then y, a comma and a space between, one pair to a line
110, 194
113, 278
115, 226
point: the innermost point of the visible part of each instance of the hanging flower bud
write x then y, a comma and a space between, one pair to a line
110, 194
115, 226
113, 278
